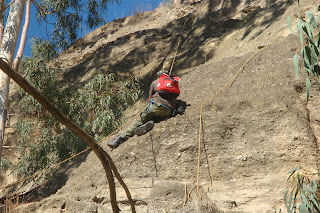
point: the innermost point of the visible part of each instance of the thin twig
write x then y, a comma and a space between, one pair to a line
42, 11
9, 4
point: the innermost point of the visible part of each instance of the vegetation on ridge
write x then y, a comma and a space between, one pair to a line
304, 196
97, 107
309, 35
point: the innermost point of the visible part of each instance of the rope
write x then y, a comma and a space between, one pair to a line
217, 93
174, 58
58, 164
187, 195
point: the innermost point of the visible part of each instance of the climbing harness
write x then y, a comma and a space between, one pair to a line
161, 105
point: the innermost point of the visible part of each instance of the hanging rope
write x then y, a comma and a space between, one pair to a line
174, 58
214, 96
79, 153
58, 164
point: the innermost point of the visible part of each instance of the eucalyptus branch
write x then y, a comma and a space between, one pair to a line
307, 30
68, 123
42, 11
39, 10
23, 37
9, 4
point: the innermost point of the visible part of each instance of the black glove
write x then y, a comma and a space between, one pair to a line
180, 108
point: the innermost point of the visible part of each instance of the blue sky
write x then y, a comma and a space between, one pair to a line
125, 8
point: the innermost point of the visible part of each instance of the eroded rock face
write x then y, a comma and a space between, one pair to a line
252, 133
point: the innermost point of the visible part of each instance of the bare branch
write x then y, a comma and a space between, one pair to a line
41, 12
122, 183
9, 4
40, 8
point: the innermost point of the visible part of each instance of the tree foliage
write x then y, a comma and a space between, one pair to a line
304, 196
97, 107
308, 31
42, 49
68, 17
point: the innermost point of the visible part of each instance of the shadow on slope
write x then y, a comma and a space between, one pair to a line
147, 51
144, 52
53, 184
270, 15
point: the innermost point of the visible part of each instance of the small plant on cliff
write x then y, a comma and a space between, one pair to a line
304, 196
166, 3
308, 32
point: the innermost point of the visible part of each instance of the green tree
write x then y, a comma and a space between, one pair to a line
96, 107
103, 156
304, 196
309, 35
68, 17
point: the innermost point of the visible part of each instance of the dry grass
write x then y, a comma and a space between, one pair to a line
9, 205
136, 18
137, 13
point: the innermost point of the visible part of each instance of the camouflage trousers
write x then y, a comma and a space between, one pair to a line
153, 112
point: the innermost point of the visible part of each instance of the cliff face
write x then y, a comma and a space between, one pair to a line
253, 132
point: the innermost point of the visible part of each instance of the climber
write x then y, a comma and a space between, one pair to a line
163, 95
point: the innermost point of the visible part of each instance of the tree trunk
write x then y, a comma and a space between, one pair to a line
1, 20
23, 37
8, 46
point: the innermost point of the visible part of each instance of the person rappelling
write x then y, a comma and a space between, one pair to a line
163, 104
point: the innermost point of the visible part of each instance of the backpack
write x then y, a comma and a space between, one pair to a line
168, 87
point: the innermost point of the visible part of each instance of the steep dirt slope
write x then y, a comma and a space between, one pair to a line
255, 131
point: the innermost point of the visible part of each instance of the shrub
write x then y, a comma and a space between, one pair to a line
166, 3
97, 107
308, 32
304, 196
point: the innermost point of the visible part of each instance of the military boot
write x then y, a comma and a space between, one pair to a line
116, 142
144, 128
